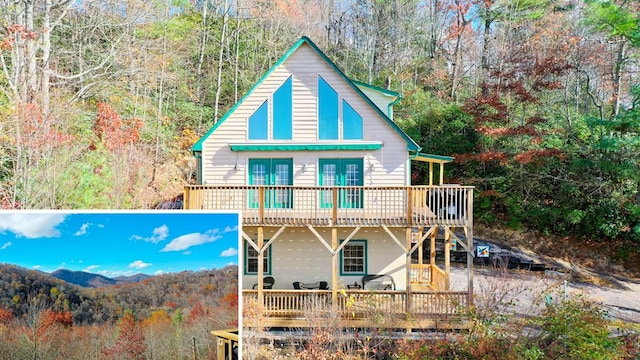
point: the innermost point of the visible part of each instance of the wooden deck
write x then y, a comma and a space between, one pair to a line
357, 308
353, 206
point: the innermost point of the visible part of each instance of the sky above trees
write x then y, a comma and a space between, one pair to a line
116, 243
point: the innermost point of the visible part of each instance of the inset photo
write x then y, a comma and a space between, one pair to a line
118, 284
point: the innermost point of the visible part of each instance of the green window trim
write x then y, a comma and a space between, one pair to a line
306, 147
352, 258
267, 259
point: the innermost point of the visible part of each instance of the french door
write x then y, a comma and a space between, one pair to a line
347, 175
275, 172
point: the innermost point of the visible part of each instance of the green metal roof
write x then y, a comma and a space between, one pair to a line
432, 158
411, 144
305, 147
376, 88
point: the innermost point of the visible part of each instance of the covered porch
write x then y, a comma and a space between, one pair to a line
420, 297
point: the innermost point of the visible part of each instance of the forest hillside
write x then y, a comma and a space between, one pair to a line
168, 316
87, 305
537, 100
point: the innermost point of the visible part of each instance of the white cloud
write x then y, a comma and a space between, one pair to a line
159, 234
32, 225
229, 252
139, 264
158, 272
82, 230
36, 267
6, 245
186, 241
91, 268
116, 273
229, 229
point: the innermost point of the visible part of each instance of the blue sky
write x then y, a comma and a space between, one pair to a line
119, 242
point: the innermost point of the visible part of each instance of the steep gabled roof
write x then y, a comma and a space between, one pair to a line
411, 145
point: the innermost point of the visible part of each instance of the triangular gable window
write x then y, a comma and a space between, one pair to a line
351, 122
259, 123
280, 123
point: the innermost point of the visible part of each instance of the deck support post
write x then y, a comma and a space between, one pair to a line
470, 247
432, 253
334, 270
260, 266
408, 270
430, 173
447, 260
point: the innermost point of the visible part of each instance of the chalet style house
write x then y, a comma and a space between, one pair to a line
331, 222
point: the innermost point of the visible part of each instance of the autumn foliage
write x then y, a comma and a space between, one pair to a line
130, 343
114, 132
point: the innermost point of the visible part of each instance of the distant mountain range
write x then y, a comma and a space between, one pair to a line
85, 279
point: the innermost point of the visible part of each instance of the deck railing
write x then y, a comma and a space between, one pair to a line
335, 206
360, 303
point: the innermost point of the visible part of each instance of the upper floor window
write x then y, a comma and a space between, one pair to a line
352, 122
259, 123
275, 122
329, 112
283, 112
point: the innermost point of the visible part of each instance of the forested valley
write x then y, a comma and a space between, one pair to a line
168, 316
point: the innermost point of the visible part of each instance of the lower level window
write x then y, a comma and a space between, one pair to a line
251, 260
353, 258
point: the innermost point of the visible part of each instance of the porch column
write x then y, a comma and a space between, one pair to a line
447, 260
430, 173
408, 267
260, 266
432, 253
470, 246
334, 270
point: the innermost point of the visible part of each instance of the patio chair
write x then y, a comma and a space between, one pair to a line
267, 283
296, 285
323, 285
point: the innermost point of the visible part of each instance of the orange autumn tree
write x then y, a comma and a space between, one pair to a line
114, 132
130, 343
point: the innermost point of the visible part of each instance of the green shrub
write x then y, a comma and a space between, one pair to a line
577, 329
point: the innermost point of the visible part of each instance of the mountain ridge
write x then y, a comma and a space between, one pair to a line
91, 280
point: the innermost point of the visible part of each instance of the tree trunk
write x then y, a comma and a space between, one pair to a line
223, 36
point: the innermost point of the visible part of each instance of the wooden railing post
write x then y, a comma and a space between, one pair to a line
261, 205
409, 206
334, 215
185, 198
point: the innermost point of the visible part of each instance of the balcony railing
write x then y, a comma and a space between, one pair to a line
427, 276
338, 206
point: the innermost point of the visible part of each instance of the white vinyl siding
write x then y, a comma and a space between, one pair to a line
297, 255
222, 166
